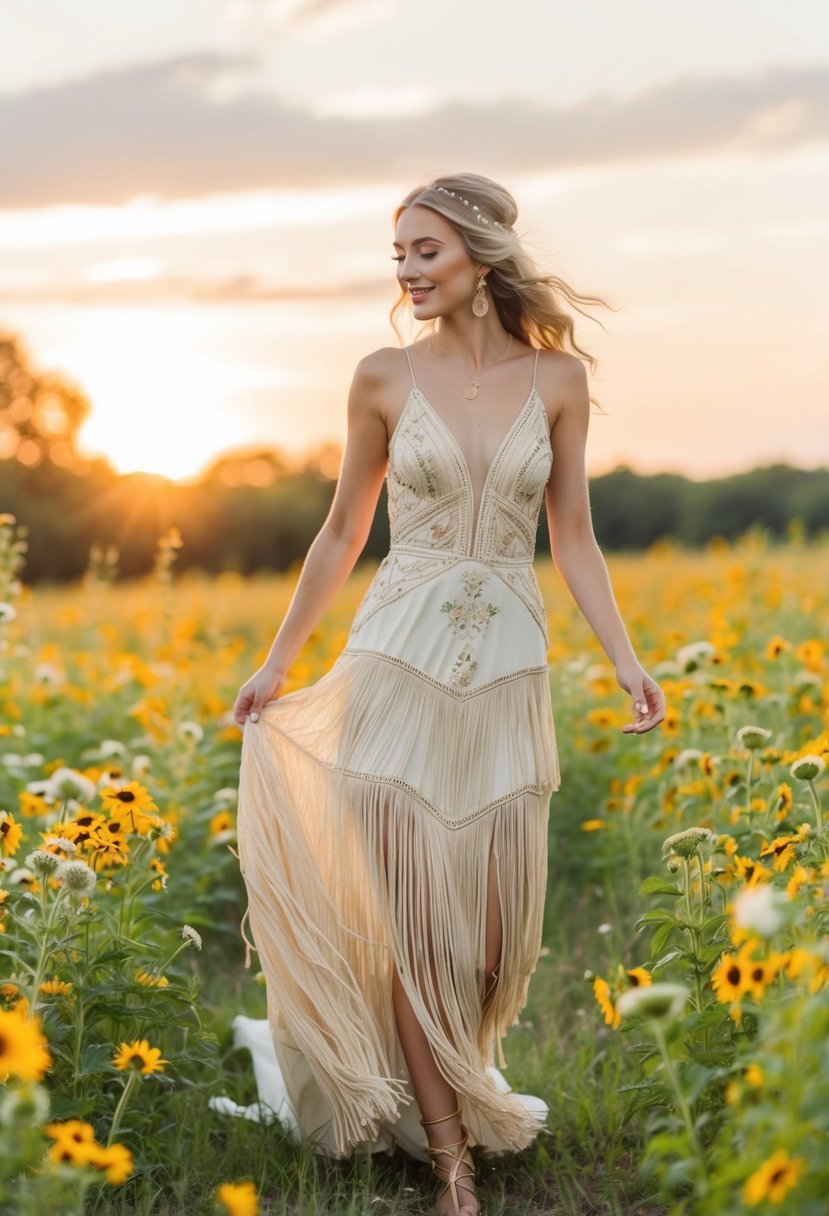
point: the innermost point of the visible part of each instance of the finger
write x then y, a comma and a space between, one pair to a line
641, 709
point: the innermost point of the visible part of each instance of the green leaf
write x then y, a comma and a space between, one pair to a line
661, 937
654, 916
654, 884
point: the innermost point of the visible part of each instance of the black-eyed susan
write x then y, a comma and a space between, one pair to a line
603, 994
222, 821
774, 1179
750, 871
776, 646
151, 980
160, 883
639, 977
80, 829
139, 1056
55, 987
781, 851
729, 979
74, 1142
593, 825
782, 800
132, 804
238, 1198
115, 1160
810, 654
24, 1050
11, 834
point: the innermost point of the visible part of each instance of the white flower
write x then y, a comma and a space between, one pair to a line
190, 732
661, 1001
686, 756
191, 936
58, 842
111, 747
43, 861
807, 768
753, 737
66, 783
227, 794
76, 876
605, 928
689, 657
46, 673
759, 909
7, 612
141, 765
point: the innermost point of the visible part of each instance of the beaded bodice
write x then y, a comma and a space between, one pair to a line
430, 491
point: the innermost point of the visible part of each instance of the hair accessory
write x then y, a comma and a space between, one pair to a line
479, 215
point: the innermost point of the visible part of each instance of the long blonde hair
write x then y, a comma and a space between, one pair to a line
526, 299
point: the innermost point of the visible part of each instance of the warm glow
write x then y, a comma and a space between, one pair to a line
160, 401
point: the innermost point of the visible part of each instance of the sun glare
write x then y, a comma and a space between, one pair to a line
159, 400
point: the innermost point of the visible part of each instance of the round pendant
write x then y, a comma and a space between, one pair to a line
470, 391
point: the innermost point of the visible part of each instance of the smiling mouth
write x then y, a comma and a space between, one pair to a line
419, 292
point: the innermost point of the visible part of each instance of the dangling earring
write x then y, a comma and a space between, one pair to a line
480, 304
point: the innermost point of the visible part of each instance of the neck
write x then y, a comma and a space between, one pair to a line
476, 341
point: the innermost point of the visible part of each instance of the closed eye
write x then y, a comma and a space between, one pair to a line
399, 257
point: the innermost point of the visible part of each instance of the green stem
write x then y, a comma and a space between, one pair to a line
748, 784
122, 1102
816, 803
684, 1109
46, 943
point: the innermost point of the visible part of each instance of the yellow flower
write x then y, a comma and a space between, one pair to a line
601, 990
810, 654
800, 875
783, 800
151, 981
24, 1051
11, 834
639, 977
754, 1076
776, 646
75, 1142
55, 987
130, 803
773, 1179
592, 825
140, 1053
238, 1198
221, 822
782, 850
729, 978
602, 716
115, 1160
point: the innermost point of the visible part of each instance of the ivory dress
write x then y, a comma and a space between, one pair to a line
370, 802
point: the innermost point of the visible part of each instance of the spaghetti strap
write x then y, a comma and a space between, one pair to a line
535, 365
409, 361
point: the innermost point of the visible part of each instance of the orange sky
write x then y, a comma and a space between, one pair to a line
198, 227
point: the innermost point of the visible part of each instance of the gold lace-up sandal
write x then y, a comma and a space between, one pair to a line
451, 1176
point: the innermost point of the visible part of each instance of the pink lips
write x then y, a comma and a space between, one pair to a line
419, 294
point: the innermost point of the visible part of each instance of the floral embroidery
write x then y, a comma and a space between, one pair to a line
469, 618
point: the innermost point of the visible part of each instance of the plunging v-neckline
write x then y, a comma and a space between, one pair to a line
475, 507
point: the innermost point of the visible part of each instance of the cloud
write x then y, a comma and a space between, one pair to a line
164, 128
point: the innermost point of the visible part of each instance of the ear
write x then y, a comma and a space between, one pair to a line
484, 269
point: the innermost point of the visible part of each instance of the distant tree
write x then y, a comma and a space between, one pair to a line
40, 412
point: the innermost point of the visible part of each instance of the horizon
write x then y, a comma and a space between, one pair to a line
207, 255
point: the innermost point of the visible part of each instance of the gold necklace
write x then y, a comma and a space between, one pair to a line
471, 390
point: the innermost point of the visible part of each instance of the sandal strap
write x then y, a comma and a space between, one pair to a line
454, 1177
428, 1122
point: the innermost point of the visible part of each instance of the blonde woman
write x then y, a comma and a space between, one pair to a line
393, 816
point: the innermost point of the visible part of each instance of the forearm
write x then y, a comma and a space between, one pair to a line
583, 568
330, 560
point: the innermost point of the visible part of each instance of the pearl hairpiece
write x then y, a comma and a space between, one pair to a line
480, 217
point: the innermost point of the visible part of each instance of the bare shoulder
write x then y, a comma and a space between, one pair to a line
380, 384
562, 383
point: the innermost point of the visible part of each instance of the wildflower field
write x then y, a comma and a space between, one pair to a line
678, 1021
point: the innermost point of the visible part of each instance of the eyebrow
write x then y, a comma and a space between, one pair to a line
421, 240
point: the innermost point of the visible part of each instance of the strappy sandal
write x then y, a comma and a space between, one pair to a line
453, 1177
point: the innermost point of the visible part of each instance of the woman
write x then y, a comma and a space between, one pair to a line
393, 816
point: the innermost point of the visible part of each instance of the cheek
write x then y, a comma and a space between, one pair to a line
456, 268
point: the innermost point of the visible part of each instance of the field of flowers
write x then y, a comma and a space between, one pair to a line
678, 1022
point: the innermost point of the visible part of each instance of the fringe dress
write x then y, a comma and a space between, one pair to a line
371, 802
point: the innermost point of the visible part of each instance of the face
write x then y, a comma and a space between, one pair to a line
433, 265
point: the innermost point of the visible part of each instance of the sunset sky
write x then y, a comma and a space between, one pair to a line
196, 197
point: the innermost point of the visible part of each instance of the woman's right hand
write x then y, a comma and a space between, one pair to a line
263, 686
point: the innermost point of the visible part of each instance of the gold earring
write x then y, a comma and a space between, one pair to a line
480, 304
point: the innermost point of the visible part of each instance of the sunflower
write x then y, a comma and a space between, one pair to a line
151, 981
238, 1198
11, 834
80, 829
221, 822
24, 1052
601, 990
639, 977
783, 800
750, 870
75, 1142
140, 1054
773, 1179
776, 646
759, 974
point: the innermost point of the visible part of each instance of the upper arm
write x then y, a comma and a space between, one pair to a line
567, 495
366, 452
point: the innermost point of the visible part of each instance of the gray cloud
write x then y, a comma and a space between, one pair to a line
156, 128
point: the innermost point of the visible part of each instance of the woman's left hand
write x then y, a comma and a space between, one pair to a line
648, 698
